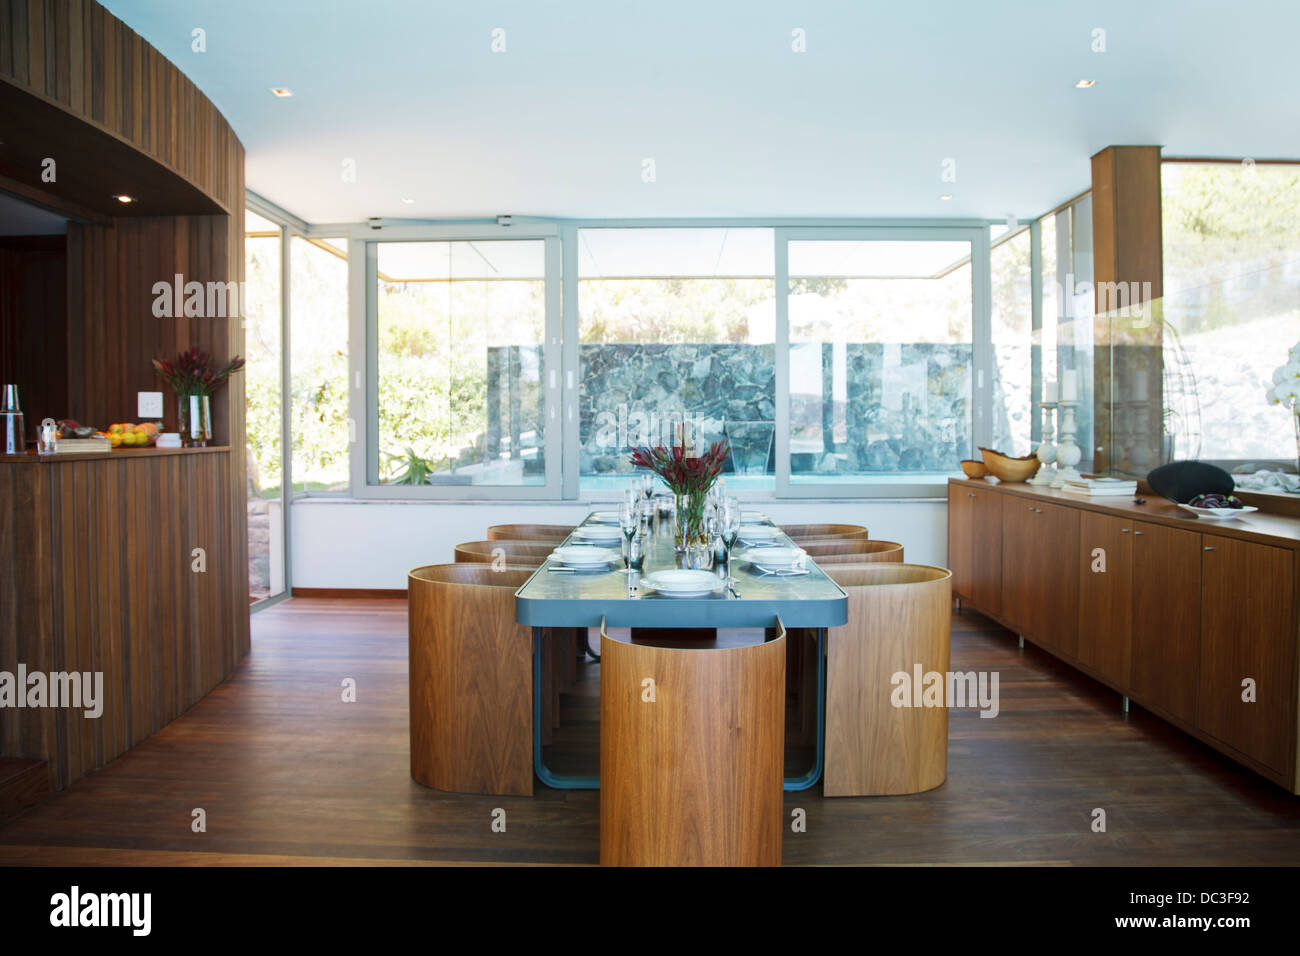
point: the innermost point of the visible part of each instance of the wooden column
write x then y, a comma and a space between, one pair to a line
1127, 272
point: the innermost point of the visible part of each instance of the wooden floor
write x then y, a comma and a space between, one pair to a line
288, 773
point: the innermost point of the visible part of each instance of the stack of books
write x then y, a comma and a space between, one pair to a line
1102, 487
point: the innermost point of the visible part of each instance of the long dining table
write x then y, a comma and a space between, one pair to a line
557, 598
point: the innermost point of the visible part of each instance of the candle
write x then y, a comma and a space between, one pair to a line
1070, 385
1050, 393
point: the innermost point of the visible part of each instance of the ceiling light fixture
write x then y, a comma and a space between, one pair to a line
124, 198
1084, 84
281, 91
408, 201
946, 196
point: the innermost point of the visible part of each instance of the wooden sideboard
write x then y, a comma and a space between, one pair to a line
1171, 610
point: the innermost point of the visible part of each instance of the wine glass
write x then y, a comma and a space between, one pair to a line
629, 520
730, 528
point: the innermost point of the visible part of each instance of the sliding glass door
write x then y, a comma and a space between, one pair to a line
876, 333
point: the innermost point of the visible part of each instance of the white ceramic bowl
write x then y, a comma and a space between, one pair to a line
582, 556
777, 559
682, 583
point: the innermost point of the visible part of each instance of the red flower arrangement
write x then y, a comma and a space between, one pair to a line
682, 473
195, 373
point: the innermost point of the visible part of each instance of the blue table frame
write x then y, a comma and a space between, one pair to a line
548, 599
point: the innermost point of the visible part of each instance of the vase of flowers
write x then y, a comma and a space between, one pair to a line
689, 477
194, 376
1285, 391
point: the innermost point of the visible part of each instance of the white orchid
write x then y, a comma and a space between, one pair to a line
1285, 389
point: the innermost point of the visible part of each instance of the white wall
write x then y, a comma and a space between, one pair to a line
350, 543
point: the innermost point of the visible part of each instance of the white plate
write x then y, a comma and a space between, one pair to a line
681, 583
582, 556
1220, 514
759, 532
774, 559
597, 533
753, 517
604, 517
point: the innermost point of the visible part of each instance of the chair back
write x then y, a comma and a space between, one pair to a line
527, 554
882, 735
471, 687
854, 551
554, 533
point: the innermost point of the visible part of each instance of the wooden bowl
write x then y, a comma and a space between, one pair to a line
974, 469
1004, 468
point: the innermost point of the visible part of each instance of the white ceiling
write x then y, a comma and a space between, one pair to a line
736, 122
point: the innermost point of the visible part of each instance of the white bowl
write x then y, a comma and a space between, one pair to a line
759, 532
604, 517
597, 533
682, 583
777, 559
1220, 514
582, 555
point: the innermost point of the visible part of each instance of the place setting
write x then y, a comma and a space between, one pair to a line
778, 560
581, 558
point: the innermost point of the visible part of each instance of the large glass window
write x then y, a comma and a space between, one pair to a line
462, 371
676, 327
263, 352
880, 359
1011, 279
1231, 311
318, 315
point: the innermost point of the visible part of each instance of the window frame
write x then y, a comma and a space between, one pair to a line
363, 361
981, 353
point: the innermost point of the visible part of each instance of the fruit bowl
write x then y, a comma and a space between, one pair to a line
126, 436
974, 469
1005, 468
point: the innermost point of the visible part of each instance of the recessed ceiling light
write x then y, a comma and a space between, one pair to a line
281, 91
408, 201
124, 198
946, 196
1084, 84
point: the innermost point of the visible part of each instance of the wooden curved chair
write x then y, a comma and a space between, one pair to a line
694, 778
854, 551
801, 532
528, 554
899, 619
554, 533
471, 680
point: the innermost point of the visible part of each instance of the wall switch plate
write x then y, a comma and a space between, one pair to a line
149, 405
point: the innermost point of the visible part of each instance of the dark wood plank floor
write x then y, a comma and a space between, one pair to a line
288, 773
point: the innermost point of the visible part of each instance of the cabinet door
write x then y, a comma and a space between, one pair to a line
1106, 596
986, 551
1020, 564
1248, 631
1056, 568
961, 507
1166, 617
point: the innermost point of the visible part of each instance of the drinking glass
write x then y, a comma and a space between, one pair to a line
628, 522
636, 549
730, 528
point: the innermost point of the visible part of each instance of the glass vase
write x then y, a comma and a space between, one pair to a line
194, 420
688, 520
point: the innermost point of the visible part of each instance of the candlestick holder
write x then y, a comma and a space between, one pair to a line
1069, 454
1046, 452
